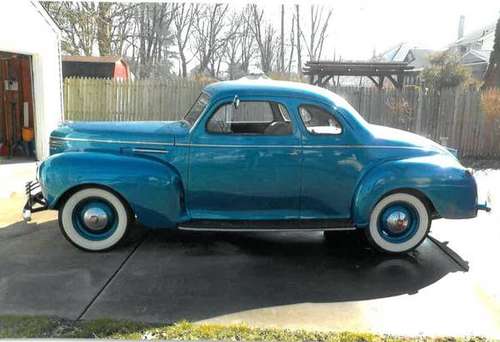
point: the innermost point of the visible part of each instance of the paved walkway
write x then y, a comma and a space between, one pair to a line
286, 280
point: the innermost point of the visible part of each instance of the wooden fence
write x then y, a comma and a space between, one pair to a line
452, 116
89, 99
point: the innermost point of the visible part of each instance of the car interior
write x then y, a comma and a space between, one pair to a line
251, 117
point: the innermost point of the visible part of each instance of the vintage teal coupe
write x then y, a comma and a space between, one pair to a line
251, 156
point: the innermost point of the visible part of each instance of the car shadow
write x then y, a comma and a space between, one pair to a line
165, 276
200, 275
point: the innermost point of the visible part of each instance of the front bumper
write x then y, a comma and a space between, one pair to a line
35, 201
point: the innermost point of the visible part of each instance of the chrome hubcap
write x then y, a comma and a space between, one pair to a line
397, 222
95, 218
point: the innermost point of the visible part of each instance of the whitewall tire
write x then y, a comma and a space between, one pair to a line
398, 223
94, 219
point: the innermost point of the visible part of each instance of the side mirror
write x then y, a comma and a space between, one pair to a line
236, 102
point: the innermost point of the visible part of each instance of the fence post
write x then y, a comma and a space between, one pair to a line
418, 123
453, 137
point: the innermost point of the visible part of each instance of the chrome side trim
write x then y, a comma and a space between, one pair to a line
274, 230
113, 141
364, 146
302, 146
237, 146
234, 145
148, 150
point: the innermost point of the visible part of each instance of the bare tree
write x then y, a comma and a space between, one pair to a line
77, 23
292, 45
184, 18
265, 36
248, 49
86, 25
319, 25
282, 40
104, 24
299, 50
208, 35
152, 38
234, 44
230, 48
120, 17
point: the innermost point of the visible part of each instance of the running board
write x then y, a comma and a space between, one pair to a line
266, 226
270, 230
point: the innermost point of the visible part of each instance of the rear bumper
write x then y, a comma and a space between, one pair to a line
484, 207
35, 201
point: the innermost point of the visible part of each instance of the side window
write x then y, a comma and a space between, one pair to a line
283, 112
251, 117
319, 121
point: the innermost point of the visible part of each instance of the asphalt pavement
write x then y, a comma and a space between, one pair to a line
448, 286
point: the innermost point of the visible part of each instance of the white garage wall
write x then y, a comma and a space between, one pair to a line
25, 28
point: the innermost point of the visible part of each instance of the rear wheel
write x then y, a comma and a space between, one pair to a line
398, 223
94, 219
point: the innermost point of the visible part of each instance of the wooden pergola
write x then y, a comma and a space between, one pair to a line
321, 72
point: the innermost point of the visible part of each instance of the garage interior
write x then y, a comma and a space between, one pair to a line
16, 106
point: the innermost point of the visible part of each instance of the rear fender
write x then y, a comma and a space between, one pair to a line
153, 189
441, 180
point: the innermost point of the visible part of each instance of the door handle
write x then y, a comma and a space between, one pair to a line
294, 153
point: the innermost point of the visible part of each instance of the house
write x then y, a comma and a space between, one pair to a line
30, 79
479, 39
418, 58
97, 67
474, 48
476, 61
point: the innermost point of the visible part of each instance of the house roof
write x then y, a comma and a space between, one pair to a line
47, 16
476, 56
404, 52
396, 53
475, 35
419, 58
93, 59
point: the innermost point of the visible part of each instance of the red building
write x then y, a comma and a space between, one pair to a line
95, 67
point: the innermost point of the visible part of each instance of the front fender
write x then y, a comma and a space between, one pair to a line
153, 189
440, 178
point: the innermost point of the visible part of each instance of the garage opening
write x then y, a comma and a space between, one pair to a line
17, 129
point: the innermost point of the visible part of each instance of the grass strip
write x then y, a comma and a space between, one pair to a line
47, 327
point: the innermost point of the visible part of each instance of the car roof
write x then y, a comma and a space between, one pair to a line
269, 88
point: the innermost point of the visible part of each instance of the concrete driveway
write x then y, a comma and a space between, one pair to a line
292, 280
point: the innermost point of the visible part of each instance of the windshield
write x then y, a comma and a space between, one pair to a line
198, 107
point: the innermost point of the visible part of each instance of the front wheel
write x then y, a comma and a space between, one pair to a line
94, 219
398, 223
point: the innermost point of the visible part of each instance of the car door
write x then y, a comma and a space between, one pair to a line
244, 162
332, 162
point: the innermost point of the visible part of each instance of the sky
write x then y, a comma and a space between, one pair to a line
360, 26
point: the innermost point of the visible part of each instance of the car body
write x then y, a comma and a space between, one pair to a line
255, 155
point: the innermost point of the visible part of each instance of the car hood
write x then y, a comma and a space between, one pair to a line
396, 137
147, 131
